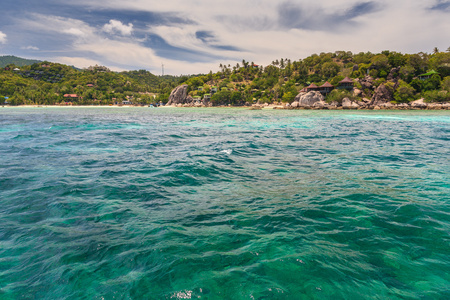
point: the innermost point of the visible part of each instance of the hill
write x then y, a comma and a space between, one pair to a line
18, 61
363, 77
53, 83
391, 76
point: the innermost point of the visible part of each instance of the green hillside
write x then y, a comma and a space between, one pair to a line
20, 62
53, 83
392, 76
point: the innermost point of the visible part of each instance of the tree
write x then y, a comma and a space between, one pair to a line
404, 92
446, 84
221, 98
441, 63
407, 73
396, 59
381, 62
288, 97
433, 83
330, 69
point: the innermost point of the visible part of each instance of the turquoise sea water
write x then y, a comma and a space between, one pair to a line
140, 203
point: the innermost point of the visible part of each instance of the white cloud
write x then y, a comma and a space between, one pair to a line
2, 38
255, 27
34, 48
115, 26
75, 31
45, 24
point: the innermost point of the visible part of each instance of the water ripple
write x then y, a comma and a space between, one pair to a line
108, 203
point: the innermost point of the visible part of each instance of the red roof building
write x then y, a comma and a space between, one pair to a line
312, 87
72, 96
346, 83
326, 88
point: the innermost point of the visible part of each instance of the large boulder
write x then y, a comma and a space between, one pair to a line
403, 106
393, 74
366, 82
387, 105
435, 106
357, 92
320, 105
445, 105
382, 95
349, 104
308, 99
179, 95
334, 105
299, 95
418, 104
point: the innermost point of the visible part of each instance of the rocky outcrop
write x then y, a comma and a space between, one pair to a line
382, 95
393, 74
357, 92
333, 105
387, 105
435, 106
348, 104
178, 95
418, 104
308, 99
320, 105
366, 83
363, 103
403, 106
299, 95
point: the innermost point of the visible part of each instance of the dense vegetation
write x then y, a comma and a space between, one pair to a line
283, 79
17, 61
51, 83
245, 82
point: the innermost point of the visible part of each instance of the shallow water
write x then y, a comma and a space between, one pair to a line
140, 203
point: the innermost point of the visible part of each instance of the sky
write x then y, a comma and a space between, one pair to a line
196, 36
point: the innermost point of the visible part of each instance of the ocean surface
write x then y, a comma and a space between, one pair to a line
165, 203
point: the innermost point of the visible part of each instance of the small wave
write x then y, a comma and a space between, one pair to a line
227, 151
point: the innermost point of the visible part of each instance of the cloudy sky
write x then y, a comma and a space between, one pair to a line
195, 36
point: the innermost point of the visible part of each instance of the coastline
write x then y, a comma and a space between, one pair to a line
421, 106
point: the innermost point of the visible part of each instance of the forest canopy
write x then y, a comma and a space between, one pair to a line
408, 76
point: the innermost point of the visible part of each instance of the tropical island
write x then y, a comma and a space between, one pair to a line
386, 80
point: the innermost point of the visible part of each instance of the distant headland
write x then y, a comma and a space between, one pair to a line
337, 80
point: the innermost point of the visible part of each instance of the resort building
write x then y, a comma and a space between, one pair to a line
207, 97
428, 75
345, 83
326, 88
71, 96
312, 87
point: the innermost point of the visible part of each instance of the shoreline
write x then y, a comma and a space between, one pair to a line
269, 107
432, 106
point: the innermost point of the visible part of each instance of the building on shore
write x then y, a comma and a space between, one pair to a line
428, 75
71, 96
326, 88
346, 84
